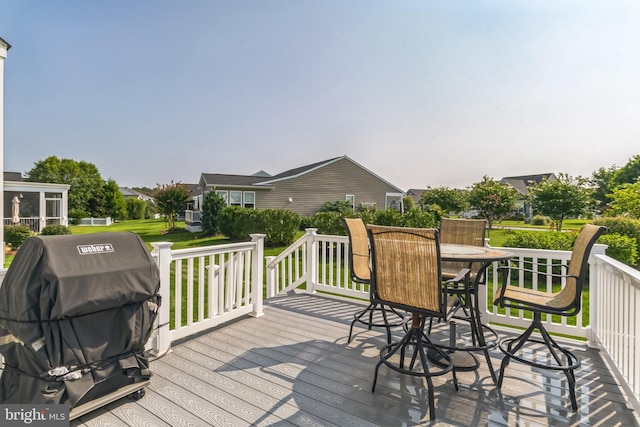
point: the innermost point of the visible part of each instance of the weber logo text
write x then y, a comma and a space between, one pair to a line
34, 415
96, 248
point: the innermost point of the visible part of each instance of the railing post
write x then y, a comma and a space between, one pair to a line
312, 258
270, 276
257, 272
162, 254
594, 295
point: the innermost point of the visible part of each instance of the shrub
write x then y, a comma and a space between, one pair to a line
328, 223
623, 226
136, 208
212, 206
622, 248
419, 219
75, 215
368, 215
237, 222
389, 217
55, 230
14, 235
554, 240
538, 220
281, 226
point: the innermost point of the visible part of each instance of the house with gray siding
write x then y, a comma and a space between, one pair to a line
522, 184
306, 188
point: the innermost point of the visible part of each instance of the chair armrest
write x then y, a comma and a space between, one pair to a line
462, 276
504, 269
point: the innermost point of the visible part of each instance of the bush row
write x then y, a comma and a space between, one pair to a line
281, 226
621, 247
14, 235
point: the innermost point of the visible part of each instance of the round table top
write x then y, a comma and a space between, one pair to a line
453, 252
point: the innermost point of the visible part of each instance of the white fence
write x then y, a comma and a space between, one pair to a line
205, 287
95, 221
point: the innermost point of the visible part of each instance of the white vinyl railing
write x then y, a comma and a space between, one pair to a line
615, 321
205, 287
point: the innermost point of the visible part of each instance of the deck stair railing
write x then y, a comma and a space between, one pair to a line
204, 287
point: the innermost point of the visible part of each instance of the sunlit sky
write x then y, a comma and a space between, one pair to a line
422, 93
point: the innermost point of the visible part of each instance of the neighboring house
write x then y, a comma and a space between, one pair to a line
129, 193
305, 189
38, 204
415, 194
522, 184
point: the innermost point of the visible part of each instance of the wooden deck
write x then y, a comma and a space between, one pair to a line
293, 367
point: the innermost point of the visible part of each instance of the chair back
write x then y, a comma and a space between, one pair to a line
461, 232
358, 250
405, 266
570, 297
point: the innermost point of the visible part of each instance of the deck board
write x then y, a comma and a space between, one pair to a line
294, 367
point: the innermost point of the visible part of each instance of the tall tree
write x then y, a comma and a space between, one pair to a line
171, 199
448, 199
492, 199
625, 200
115, 206
85, 191
627, 174
212, 206
602, 184
562, 198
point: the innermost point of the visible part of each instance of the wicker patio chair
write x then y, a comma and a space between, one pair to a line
361, 273
461, 232
406, 275
564, 303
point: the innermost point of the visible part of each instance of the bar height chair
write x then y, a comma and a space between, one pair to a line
361, 273
566, 302
462, 231
406, 275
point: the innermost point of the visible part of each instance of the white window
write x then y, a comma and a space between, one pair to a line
250, 199
351, 199
235, 198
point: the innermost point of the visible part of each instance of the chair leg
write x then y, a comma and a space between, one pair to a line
357, 317
417, 338
514, 344
569, 372
519, 342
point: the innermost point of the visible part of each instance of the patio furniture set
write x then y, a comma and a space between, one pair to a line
418, 276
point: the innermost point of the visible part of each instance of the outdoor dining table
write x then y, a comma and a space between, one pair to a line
462, 356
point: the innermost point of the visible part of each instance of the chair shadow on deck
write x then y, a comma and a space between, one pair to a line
478, 401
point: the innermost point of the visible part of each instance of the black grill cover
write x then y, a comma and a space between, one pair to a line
75, 314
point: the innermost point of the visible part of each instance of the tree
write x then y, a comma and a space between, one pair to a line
492, 199
212, 205
85, 191
625, 200
628, 174
171, 199
115, 206
602, 184
562, 198
448, 199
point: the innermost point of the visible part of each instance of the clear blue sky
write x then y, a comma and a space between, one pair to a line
422, 93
